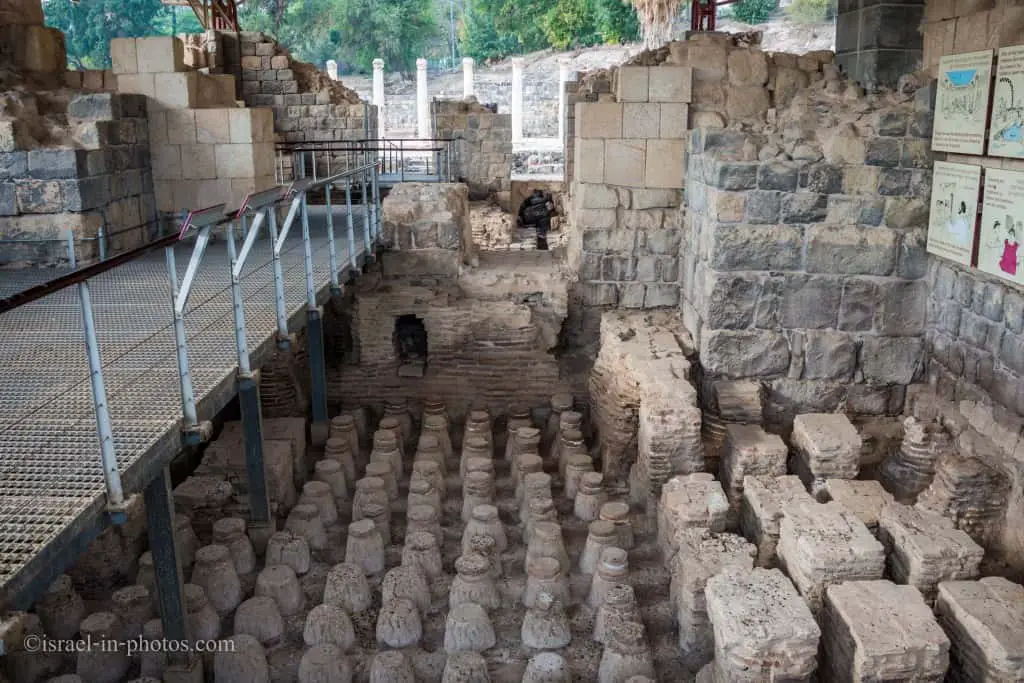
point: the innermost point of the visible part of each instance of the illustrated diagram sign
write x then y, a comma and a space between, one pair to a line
953, 219
1002, 224
1006, 132
961, 103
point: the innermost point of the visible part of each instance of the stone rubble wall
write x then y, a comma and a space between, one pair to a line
952, 27
77, 161
483, 148
804, 255
644, 406
205, 149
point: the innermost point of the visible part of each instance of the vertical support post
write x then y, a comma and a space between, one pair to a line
169, 583
467, 77
376, 205
315, 338
116, 507
378, 95
101, 237
282, 317
332, 248
249, 402
517, 99
564, 67
350, 224
188, 398
422, 101
367, 242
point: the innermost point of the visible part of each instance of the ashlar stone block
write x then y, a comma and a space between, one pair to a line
599, 120
825, 544
236, 160
762, 629
625, 162
764, 501
691, 501
213, 126
675, 120
984, 621
632, 84
176, 90
160, 54
827, 446
749, 451
666, 164
123, 55
589, 160
925, 549
641, 120
670, 84
880, 631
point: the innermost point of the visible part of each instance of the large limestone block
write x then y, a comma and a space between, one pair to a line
670, 84
825, 544
827, 446
632, 83
625, 162
764, 500
749, 451
880, 631
864, 498
598, 120
175, 90
763, 630
691, 501
160, 54
666, 164
589, 160
124, 56
984, 620
925, 548
213, 127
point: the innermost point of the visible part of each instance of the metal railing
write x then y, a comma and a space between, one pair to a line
398, 159
258, 210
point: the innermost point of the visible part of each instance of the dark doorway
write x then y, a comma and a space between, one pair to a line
410, 340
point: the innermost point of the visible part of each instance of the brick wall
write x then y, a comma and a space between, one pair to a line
483, 147
86, 168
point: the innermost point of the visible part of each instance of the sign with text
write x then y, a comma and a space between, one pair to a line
1006, 137
1002, 223
961, 103
952, 221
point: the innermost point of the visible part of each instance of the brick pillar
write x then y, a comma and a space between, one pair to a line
378, 94
467, 77
877, 42
564, 76
517, 99
422, 100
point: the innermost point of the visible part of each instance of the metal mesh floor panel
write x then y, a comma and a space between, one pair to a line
50, 471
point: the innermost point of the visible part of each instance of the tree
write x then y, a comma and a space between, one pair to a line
656, 17
754, 11
616, 21
480, 38
570, 23
89, 26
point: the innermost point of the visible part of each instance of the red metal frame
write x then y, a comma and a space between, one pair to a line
704, 13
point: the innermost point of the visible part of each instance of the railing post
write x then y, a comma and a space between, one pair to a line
188, 397
116, 507
332, 248
376, 205
367, 242
249, 397
350, 223
169, 584
283, 342
315, 338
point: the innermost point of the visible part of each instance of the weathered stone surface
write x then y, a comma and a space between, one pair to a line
764, 500
750, 353
828, 446
983, 620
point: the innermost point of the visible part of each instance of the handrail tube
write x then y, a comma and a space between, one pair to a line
308, 257
367, 243
237, 264
332, 250
181, 298
349, 222
249, 242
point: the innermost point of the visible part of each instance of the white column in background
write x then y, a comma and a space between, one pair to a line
422, 100
517, 99
378, 94
564, 76
467, 77
332, 69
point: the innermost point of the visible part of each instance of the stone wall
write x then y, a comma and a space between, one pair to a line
308, 106
877, 42
492, 321
975, 337
75, 161
804, 251
483, 147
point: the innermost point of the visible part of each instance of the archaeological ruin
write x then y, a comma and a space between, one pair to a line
293, 393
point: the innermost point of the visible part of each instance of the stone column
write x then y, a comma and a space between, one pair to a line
878, 57
467, 77
378, 94
517, 99
422, 100
332, 69
564, 76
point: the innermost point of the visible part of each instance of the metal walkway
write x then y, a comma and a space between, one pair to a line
52, 492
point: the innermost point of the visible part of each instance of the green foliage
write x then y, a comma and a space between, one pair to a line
570, 23
754, 11
479, 38
89, 26
812, 11
616, 21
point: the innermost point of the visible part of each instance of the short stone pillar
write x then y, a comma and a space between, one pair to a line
517, 99
332, 69
467, 77
378, 94
564, 76
422, 100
